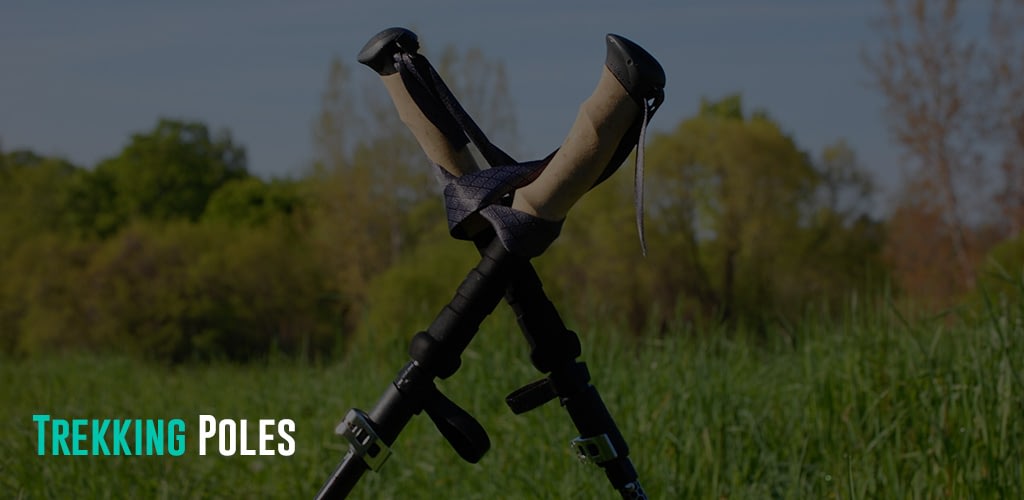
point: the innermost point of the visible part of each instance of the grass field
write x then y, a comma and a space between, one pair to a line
873, 408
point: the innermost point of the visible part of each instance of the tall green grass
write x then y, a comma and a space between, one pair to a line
870, 407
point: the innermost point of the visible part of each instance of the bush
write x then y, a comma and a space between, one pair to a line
170, 292
408, 295
1001, 280
41, 306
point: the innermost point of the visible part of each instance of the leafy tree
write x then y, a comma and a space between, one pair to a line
955, 103
251, 201
170, 292
847, 188
747, 183
41, 307
92, 204
743, 225
34, 196
171, 171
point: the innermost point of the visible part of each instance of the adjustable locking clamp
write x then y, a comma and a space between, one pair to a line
363, 440
595, 449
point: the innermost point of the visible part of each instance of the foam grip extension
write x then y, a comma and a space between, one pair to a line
457, 161
603, 119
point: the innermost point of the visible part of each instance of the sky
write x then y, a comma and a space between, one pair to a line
78, 78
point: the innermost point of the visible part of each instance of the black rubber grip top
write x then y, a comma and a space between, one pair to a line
635, 68
379, 52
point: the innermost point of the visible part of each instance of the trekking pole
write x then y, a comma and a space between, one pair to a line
608, 117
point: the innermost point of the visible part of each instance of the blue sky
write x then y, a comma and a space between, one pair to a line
79, 77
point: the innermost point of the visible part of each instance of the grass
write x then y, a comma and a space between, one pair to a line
873, 407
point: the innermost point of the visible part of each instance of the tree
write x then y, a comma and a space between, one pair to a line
34, 196
927, 71
955, 102
40, 304
170, 291
251, 201
170, 172
748, 182
847, 188
1005, 62
743, 226
917, 250
1002, 279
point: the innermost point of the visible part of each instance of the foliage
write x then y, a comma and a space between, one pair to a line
743, 226
40, 307
171, 171
1002, 278
954, 95
409, 294
35, 196
166, 251
169, 292
170, 250
251, 201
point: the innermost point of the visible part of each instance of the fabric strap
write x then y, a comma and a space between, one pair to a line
488, 192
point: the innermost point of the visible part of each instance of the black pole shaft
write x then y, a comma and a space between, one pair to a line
553, 350
344, 478
435, 353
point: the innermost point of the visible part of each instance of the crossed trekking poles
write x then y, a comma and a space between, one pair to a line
511, 212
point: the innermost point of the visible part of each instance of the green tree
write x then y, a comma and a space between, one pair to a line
171, 171
743, 225
41, 293
92, 203
171, 292
251, 201
34, 196
746, 185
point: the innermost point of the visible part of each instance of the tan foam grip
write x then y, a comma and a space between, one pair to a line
456, 161
602, 121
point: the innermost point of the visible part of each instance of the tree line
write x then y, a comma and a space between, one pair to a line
952, 77
172, 250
